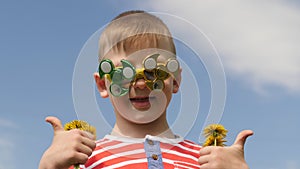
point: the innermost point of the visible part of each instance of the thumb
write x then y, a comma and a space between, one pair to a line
55, 122
242, 137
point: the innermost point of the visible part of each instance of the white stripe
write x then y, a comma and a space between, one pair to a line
98, 143
183, 162
165, 160
124, 163
114, 156
179, 154
165, 140
141, 140
186, 148
108, 148
125, 139
192, 144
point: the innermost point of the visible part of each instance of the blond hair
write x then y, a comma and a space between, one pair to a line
135, 30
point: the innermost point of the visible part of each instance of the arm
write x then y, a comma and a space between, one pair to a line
67, 148
231, 157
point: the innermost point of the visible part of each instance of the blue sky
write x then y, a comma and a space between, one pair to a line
257, 41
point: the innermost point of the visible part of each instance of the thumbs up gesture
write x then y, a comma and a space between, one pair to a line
67, 148
232, 157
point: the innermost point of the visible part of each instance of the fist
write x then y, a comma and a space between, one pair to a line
232, 157
68, 147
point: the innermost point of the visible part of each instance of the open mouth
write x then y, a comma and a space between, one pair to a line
140, 99
142, 103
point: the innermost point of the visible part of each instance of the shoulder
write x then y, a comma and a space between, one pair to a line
190, 144
180, 144
183, 147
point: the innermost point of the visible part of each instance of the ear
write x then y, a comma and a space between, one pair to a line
176, 82
101, 85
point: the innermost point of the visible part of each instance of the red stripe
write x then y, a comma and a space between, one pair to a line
115, 151
191, 145
168, 166
185, 166
179, 149
120, 159
174, 157
134, 166
106, 144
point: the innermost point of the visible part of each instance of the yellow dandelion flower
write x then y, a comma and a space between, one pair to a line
215, 135
81, 125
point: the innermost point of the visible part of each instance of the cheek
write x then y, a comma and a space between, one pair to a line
168, 87
107, 84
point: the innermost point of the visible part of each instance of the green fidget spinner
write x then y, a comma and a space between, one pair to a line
122, 77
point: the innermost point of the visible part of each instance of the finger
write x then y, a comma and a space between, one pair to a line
205, 166
83, 133
90, 135
89, 143
84, 149
203, 159
84, 138
55, 122
242, 137
205, 150
79, 158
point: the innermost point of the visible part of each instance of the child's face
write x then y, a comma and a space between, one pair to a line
140, 104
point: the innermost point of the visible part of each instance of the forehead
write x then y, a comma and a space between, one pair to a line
137, 58
136, 48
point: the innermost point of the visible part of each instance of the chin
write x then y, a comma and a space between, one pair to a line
142, 118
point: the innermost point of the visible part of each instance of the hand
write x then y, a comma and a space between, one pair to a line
232, 157
68, 147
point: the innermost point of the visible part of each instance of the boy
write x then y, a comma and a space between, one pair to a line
139, 72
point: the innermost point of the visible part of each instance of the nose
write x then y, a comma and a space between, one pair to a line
139, 83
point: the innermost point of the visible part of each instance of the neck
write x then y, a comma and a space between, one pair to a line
158, 127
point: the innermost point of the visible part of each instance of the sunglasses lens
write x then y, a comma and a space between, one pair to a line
150, 75
106, 67
150, 63
128, 73
162, 74
172, 65
115, 90
159, 84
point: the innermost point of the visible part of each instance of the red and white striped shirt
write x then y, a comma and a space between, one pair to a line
114, 152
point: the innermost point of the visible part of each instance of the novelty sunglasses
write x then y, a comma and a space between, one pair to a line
153, 73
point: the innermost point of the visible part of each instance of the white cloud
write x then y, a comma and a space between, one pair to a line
258, 40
